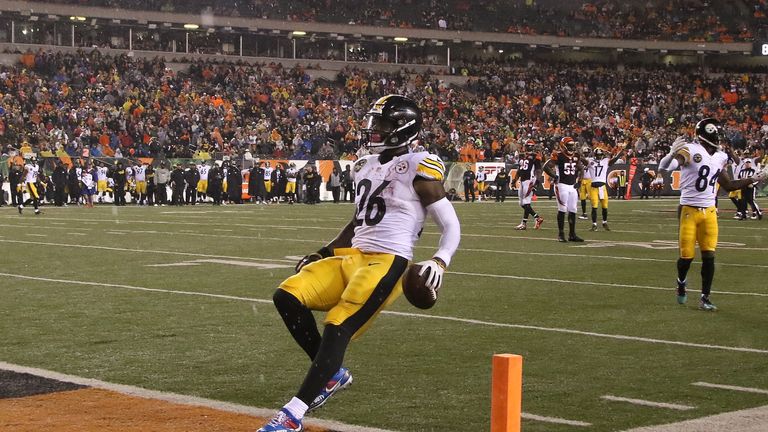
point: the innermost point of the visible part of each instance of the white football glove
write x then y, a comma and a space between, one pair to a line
434, 275
677, 145
762, 175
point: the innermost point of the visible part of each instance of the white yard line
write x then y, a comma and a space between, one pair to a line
178, 398
748, 420
616, 285
648, 403
257, 225
555, 420
408, 314
485, 275
163, 252
731, 387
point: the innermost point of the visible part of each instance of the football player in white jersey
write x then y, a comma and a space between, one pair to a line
702, 164
202, 184
359, 272
598, 191
290, 187
30, 174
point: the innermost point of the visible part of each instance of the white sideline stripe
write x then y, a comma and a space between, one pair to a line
643, 402
622, 258
409, 314
145, 251
178, 398
573, 255
238, 263
730, 387
566, 281
529, 416
748, 420
616, 285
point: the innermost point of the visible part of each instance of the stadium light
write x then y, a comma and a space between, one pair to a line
152, 26
34, 18
299, 33
77, 18
191, 26
401, 39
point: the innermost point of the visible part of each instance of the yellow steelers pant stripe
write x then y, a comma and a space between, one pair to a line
32, 191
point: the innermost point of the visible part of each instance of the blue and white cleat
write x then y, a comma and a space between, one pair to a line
706, 305
340, 380
682, 296
282, 422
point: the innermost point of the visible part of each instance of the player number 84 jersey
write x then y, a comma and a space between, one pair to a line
699, 174
388, 214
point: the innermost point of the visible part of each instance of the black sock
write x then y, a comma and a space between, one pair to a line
583, 206
571, 224
531, 211
707, 274
525, 213
327, 362
594, 215
299, 320
561, 222
683, 264
605, 215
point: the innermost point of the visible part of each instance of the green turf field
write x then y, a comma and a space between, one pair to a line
592, 320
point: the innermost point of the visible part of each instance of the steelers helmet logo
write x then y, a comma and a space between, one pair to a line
401, 167
710, 128
697, 158
359, 164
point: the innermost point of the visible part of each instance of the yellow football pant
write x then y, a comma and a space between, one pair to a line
352, 286
697, 225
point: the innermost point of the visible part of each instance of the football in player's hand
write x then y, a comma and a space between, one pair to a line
415, 288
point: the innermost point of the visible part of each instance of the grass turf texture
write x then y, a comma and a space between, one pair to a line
412, 373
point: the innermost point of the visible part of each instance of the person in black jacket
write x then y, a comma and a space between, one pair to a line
120, 178
502, 184
235, 184
256, 184
59, 179
15, 181
347, 186
215, 183
191, 177
73, 182
177, 185
278, 183
2, 192
310, 179
469, 184
150, 176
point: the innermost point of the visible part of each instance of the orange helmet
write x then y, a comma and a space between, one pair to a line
568, 146
530, 146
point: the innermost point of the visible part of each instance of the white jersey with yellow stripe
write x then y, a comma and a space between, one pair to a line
388, 213
32, 171
699, 174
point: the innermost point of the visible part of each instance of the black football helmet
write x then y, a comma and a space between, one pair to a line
392, 122
709, 132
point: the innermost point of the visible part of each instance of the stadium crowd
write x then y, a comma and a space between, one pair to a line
691, 20
118, 106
